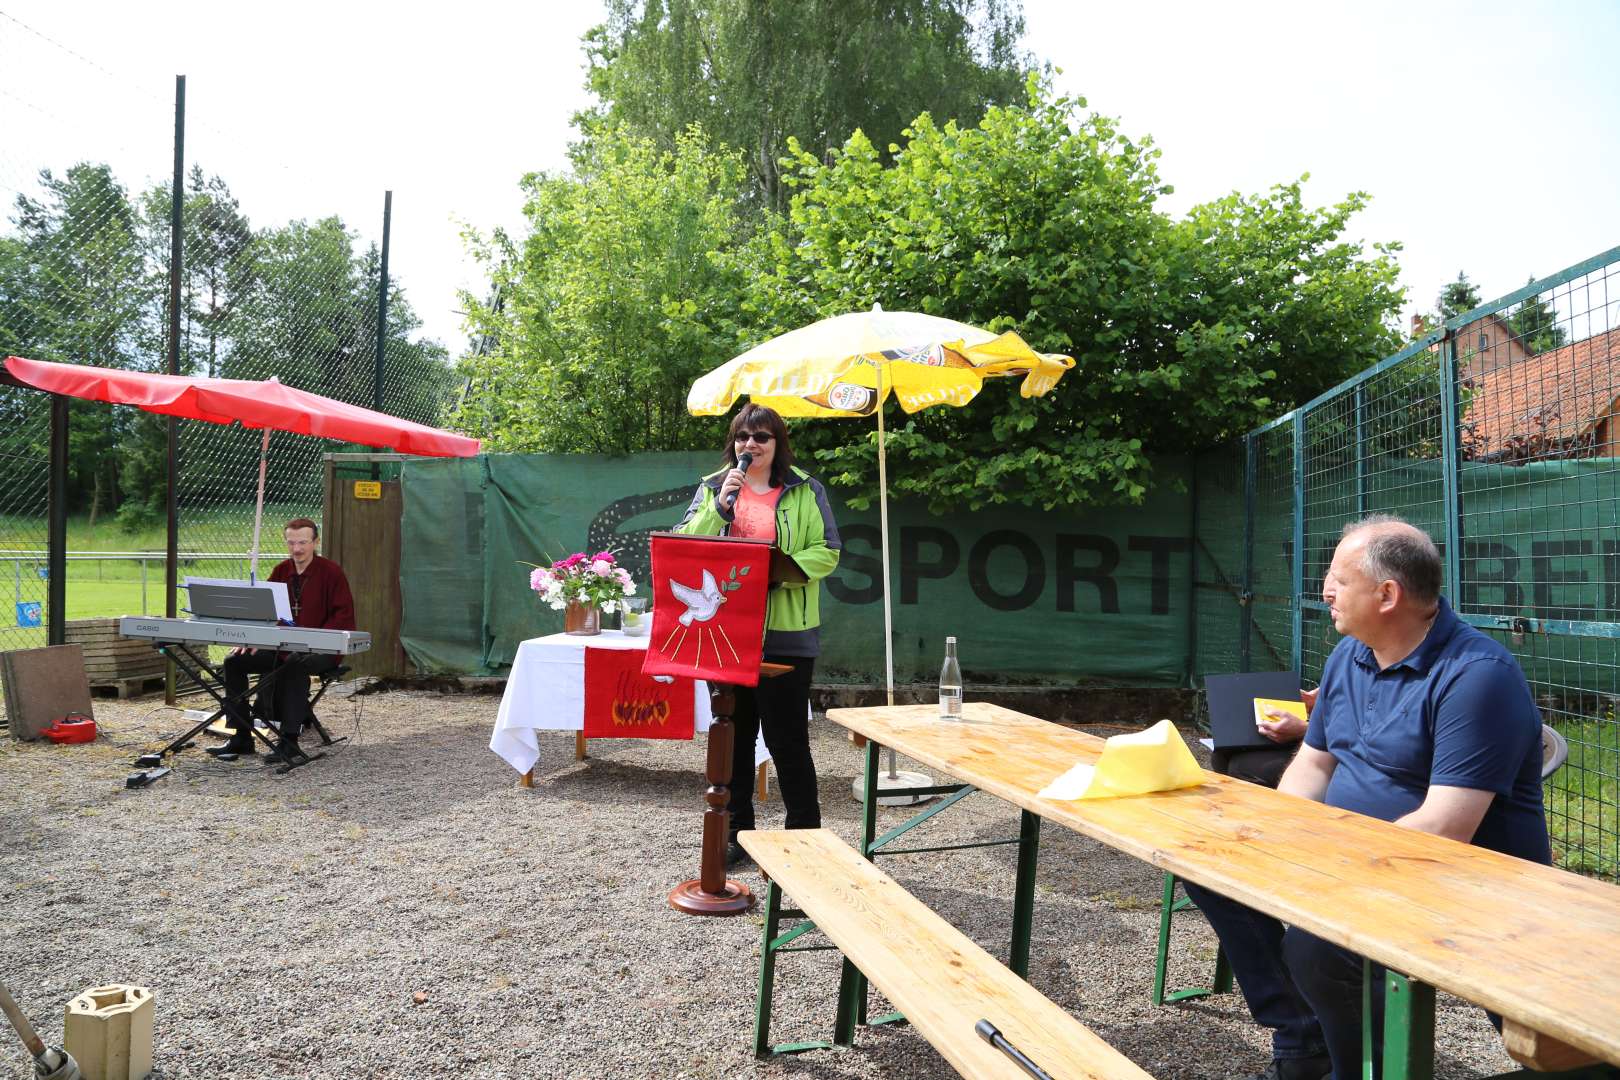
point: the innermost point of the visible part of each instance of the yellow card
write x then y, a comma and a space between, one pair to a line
1261, 704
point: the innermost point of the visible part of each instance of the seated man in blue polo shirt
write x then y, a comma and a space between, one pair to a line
1419, 719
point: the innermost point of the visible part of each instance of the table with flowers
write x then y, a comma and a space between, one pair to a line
547, 689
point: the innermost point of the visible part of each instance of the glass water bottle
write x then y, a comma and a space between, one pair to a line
950, 684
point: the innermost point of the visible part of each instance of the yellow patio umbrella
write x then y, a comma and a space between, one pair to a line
849, 364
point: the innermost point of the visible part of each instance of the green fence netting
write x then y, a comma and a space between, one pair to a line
1060, 599
1498, 432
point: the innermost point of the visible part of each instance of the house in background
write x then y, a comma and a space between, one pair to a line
1522, 406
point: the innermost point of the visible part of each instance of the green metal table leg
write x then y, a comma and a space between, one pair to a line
1408, 1026
869, 805
850, 982
1169, 904
1029, 849
767, 970
1161, 959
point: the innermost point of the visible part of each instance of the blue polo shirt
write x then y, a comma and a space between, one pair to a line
1456, 712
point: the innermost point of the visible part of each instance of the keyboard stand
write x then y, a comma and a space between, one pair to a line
201, 671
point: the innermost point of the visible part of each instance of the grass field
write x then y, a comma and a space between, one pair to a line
1583, 799
105, 587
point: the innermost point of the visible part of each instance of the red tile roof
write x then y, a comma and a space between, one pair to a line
1546, 405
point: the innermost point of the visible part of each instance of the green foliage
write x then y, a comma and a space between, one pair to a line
612, 304
1457, 297
84, 278
1535, 323
74, 288
1042, 219
753, 74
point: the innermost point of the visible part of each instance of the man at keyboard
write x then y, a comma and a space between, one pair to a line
319, 595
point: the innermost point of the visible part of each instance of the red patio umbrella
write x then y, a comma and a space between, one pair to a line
268, 405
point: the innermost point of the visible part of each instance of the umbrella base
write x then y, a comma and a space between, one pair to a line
901, 779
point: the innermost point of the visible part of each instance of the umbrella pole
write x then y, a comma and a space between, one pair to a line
258, 509
891, 778
883, 526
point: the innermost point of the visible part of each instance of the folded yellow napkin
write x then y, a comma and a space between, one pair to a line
1292, 708
1151, 760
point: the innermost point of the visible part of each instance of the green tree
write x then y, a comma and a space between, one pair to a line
1535, 322
218, 265
612, 304
1042, 219
74, 289
752, 74
1457, 297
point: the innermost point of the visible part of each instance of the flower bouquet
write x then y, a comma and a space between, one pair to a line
583, 587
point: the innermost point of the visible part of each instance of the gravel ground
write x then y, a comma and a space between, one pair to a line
403, 909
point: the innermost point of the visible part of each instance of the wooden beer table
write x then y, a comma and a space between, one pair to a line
1539, 945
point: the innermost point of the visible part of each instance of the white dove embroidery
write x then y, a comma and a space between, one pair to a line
701, 604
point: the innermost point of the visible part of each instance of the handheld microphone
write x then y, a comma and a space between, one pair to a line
744, 460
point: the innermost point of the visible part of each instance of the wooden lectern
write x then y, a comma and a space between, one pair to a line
711, 892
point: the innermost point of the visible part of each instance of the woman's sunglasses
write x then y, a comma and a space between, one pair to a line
759, 437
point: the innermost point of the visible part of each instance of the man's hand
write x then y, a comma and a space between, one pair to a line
1279, 726
1309, 698
243, 650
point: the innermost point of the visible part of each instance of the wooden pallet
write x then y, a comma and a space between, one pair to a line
112, 661
126, 688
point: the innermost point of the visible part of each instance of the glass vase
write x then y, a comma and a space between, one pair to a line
582, 618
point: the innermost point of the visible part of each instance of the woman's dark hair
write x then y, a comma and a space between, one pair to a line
753, 417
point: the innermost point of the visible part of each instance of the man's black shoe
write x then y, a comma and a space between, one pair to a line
232, 747
736, 856
285, 753
1306, 1068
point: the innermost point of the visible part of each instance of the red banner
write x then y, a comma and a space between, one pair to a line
622, 703
708, 608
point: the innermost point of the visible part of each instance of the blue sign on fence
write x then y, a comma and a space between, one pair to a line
30, 612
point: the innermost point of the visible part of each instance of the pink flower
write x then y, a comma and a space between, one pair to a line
602, 556
538, 578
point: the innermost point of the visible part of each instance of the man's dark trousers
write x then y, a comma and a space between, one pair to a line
290, 690
1306, 990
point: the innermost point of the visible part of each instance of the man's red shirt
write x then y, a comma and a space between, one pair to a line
324, 601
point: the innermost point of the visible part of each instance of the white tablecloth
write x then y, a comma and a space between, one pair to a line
546, 692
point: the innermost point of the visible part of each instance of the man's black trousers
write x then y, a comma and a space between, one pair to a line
289, 692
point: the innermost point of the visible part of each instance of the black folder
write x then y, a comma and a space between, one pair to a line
1231, 705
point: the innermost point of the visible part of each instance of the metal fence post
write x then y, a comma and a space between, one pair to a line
1246, 600
1297, 650
1361, 451
56, 549
177, 202
1451, 463
382, 306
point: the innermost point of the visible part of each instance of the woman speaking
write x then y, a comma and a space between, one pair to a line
758, 493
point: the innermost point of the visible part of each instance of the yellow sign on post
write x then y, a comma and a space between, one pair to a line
367, 489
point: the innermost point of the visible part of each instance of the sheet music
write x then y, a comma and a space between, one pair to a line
278, 589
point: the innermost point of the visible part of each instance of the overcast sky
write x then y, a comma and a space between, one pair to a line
1485, 132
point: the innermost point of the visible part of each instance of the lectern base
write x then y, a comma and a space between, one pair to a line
689, 897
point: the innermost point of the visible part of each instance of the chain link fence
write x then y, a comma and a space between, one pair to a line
1499, 434
85, 259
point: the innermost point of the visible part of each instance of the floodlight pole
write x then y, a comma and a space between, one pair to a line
177, 200
382, 306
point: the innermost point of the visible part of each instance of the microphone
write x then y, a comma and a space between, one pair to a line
744, 460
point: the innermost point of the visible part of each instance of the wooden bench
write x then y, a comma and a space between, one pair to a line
943, 982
